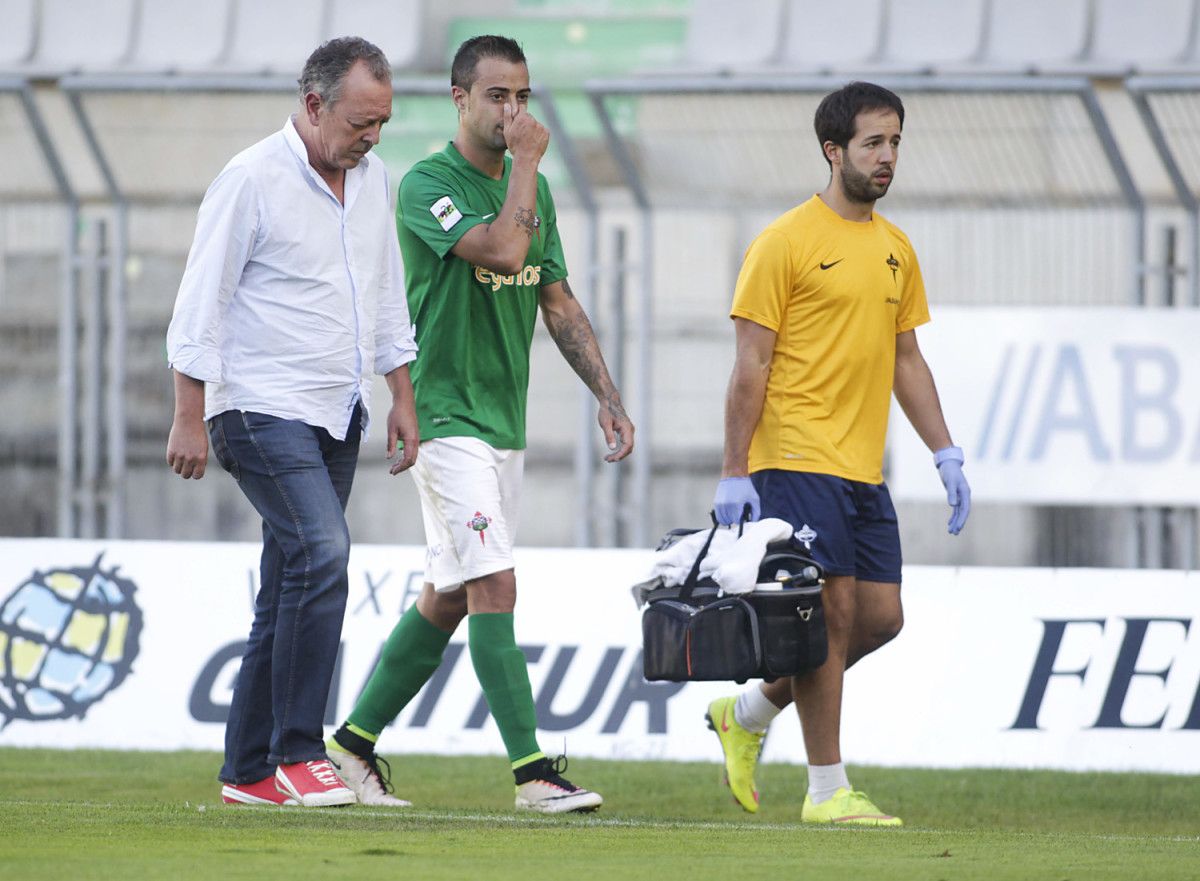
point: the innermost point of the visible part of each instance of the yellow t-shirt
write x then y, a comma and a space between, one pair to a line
836, 292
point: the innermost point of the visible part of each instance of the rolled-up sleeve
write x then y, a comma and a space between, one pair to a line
226, 229
395, 338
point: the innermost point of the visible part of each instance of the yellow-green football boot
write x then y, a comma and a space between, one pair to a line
741, 748
847, 808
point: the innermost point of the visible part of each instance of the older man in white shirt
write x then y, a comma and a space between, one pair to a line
291, 297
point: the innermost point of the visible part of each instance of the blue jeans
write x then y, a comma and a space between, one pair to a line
298, 478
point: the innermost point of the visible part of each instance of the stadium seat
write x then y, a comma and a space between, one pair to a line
1023, 35
180, 35
821, 36
95, 35
274, 36
395, 26
923, 34
16, 37
617, 7
732, 36
1189, 63
1147, 34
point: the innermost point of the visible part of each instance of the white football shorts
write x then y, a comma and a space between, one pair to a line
470, 496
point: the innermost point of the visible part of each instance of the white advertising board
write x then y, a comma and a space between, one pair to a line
1062, 406
136, 645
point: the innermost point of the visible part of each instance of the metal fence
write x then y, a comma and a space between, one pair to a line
1013, 189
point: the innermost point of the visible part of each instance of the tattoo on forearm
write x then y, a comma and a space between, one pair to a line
577, 342
567, 290
527, 220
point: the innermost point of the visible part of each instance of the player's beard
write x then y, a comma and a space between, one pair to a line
859, 187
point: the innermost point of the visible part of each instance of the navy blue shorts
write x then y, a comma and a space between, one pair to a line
849, 527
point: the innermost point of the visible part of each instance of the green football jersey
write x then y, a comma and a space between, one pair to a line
474, 327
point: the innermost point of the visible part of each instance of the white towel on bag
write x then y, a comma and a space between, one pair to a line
732, 561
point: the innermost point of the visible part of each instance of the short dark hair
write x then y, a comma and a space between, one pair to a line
835, 117
326, 69
474, 50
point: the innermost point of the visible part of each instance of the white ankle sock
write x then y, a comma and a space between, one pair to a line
825, 780
753, 711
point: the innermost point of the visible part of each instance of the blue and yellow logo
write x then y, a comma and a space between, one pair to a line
67, 638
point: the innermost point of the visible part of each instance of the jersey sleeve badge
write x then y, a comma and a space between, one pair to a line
445, 213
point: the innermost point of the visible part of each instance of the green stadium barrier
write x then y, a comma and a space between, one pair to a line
564, 51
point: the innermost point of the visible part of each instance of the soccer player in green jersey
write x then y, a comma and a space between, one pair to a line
479, 237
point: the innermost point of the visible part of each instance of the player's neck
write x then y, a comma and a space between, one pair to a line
846, 208
487, 159
334, 176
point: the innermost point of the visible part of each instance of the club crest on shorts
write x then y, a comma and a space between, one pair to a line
479, 523
806, 535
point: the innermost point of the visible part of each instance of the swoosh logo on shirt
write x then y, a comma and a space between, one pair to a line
486, 216
833, 264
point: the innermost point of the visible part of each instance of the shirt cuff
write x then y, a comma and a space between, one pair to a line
196, 362
391, 356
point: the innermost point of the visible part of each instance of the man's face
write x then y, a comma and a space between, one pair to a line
350, 127
868, 162
481, 111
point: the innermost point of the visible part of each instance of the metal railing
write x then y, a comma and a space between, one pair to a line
1170, 109
713, 142
80, 88
68, 503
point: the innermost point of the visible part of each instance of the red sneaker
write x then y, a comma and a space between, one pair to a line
313, 784
261, 793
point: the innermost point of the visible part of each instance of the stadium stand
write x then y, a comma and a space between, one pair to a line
1149, 34
83, 36
574, 40
1024, 35
820, 36
724, 36
915, 42
564, 51
180, 35
17, 35
273, 36
395, 26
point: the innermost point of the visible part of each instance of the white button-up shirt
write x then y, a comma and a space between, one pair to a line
290, 298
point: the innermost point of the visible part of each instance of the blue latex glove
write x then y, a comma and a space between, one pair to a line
733, 495
949, 463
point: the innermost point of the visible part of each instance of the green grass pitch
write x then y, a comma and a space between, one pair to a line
108, 815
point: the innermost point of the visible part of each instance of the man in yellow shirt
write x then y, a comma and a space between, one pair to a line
825, 312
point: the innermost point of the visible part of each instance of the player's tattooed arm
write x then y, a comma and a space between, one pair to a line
527, 220
572, 333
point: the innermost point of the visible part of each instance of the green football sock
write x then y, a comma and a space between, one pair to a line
500, 668
409, 657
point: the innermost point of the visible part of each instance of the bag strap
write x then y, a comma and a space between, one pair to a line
743, 520
689, 583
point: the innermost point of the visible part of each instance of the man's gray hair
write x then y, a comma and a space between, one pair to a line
326, 68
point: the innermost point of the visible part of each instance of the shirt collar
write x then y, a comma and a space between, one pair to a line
292, 137
461, 161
